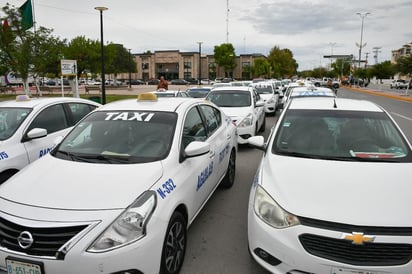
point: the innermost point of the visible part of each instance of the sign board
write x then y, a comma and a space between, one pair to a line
68, 67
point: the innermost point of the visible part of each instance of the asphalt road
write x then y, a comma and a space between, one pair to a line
217, 239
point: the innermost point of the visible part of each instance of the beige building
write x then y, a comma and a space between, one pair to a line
174, 64
405, 50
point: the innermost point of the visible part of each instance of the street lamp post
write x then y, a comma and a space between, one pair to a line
332, 44
362, 16
200, 63
101, 9
130, 70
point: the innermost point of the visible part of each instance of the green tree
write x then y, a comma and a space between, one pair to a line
341, 67
20, 50
119, 60
261, 68
404, 65
383, 70
225, 57
86, 52
282, 63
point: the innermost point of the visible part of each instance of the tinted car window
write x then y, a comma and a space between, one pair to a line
79, 110
52, 118
213, 118
193, 129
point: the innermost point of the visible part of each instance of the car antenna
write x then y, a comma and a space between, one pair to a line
334, 103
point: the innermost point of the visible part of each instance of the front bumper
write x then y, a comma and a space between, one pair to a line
280, 251
141, 256
245, 133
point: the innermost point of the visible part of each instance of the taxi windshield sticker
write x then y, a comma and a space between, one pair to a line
129, 116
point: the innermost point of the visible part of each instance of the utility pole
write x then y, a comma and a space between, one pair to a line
376, 50
227, 22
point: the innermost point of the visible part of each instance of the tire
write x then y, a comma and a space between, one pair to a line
229, 178
174, 245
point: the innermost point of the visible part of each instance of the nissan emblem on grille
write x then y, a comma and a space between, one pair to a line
25, 240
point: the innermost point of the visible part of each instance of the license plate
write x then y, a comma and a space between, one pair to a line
336, 270
16, 266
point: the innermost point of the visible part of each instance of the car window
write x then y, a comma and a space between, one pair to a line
52, 118
342, 134
10, 120
193, 129
79, 110
230, 98
213, 118
120, 137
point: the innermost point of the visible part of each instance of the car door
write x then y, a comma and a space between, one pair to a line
53, 119
199, 170
259, 107
219, 138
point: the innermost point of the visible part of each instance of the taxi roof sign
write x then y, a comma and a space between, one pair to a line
146, 97
22, 98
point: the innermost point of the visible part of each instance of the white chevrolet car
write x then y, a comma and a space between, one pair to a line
119, 192
333, 191
269, 95
29, 126
244, 105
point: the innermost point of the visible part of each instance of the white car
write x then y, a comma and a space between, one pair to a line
244, 105
170, 93
332, 192
29, 127
198, 92
119, 192
269, 95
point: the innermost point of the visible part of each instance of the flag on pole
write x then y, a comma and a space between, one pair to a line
27, 15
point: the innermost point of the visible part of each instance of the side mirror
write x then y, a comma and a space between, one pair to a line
197, 148
36, 133
257, 142
260, 104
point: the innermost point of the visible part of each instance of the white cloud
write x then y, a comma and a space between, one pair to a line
305, 27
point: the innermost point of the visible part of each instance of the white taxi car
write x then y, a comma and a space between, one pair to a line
244, 105
333, 191
119, 192
29, 126
269, 95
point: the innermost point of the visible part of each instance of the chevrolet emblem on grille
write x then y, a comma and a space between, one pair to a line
358, 238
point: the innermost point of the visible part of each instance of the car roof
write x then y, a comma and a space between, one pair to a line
232, 88
332, 103
161, 104
39, 102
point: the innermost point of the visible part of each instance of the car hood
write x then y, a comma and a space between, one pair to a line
236, 113
60, 184
360, 193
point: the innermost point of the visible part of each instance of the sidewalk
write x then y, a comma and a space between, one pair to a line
384, 91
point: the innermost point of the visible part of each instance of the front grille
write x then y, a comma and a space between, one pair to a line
375, 230
47, 241
368, 254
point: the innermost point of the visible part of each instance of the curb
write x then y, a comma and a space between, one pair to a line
381, 93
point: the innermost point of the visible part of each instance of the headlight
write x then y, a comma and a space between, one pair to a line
270, 212
247, 121
271, 100
129, 226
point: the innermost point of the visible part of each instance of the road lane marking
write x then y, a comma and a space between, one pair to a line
402, 116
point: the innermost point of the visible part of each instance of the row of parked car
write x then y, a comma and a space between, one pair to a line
117, 193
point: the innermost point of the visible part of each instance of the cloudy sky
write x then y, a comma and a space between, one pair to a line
310, 29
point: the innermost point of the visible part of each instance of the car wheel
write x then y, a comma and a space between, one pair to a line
229, 178
174, 245
263, 127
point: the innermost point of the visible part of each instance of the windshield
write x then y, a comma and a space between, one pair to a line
340, 135
230, 98
120, 138
198, 93
10, 120
264, 89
